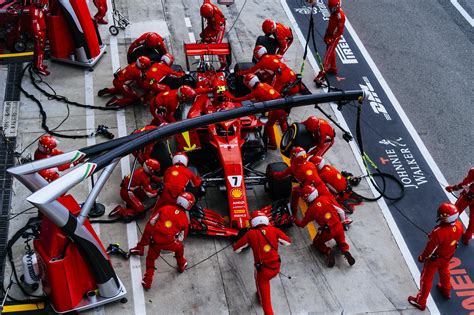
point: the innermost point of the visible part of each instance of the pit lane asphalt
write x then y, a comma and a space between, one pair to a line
380, 280
424, 49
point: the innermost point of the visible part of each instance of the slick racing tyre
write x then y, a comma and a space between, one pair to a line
175, 83
295, 136
196, 191
239, 88
142, 51
162, 153
270, 43
278, 189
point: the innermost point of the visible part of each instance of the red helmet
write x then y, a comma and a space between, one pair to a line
268, 26
309, 193
47, 143
312, 124
259, 51
207, 10
258, 218
298, 154
186, 200
319, 161
143, 62
250, 80
334, 5
153, 39
186, 93
448, 213
180, 158
50, 174
151, 166
167, 59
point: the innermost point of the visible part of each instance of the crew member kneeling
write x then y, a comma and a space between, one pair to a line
166, 230
322, 210
263, 239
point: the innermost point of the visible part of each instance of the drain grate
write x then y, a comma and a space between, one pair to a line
7, 147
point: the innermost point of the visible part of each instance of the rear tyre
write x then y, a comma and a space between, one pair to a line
278, 189
196, 191
162, 153
295, 136
238, 87
270, 43
143, 51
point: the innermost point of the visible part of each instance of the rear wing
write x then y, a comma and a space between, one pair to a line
201, 50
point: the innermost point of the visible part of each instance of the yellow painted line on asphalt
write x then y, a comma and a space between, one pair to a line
302, 205
23, 308
23, 54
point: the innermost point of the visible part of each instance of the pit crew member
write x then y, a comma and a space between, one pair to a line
280, 32
263, 239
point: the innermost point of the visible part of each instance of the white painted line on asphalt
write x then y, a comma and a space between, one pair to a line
187, 21
132, 236
463, 12
383, 205
403, 116
192, 38
90, 128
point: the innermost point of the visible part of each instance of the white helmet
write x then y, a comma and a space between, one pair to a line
181, 158
186, 200
258, 218
250, 80
310, 193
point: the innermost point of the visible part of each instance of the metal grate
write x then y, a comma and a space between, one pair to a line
7, 147
12, 92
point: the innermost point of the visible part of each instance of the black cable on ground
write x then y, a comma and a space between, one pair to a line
100, 129
61, 98
192, 266
236, 18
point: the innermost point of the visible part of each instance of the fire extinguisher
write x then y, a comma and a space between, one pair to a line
31, 273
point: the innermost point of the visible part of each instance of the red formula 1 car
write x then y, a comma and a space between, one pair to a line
227, 153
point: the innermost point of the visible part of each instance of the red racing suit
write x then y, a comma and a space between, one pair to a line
336, 183
140, 188
284, 36
215, 26
331, 38
323, 211
152, 78
144, 153
101, 6
264, 92
37, 16
282, 75
215, 29
165, 230
305, 173
141, 41
39, 155
323, 137
123, 84
264, 243
163, 106
442, 244
175, 180
466, 199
